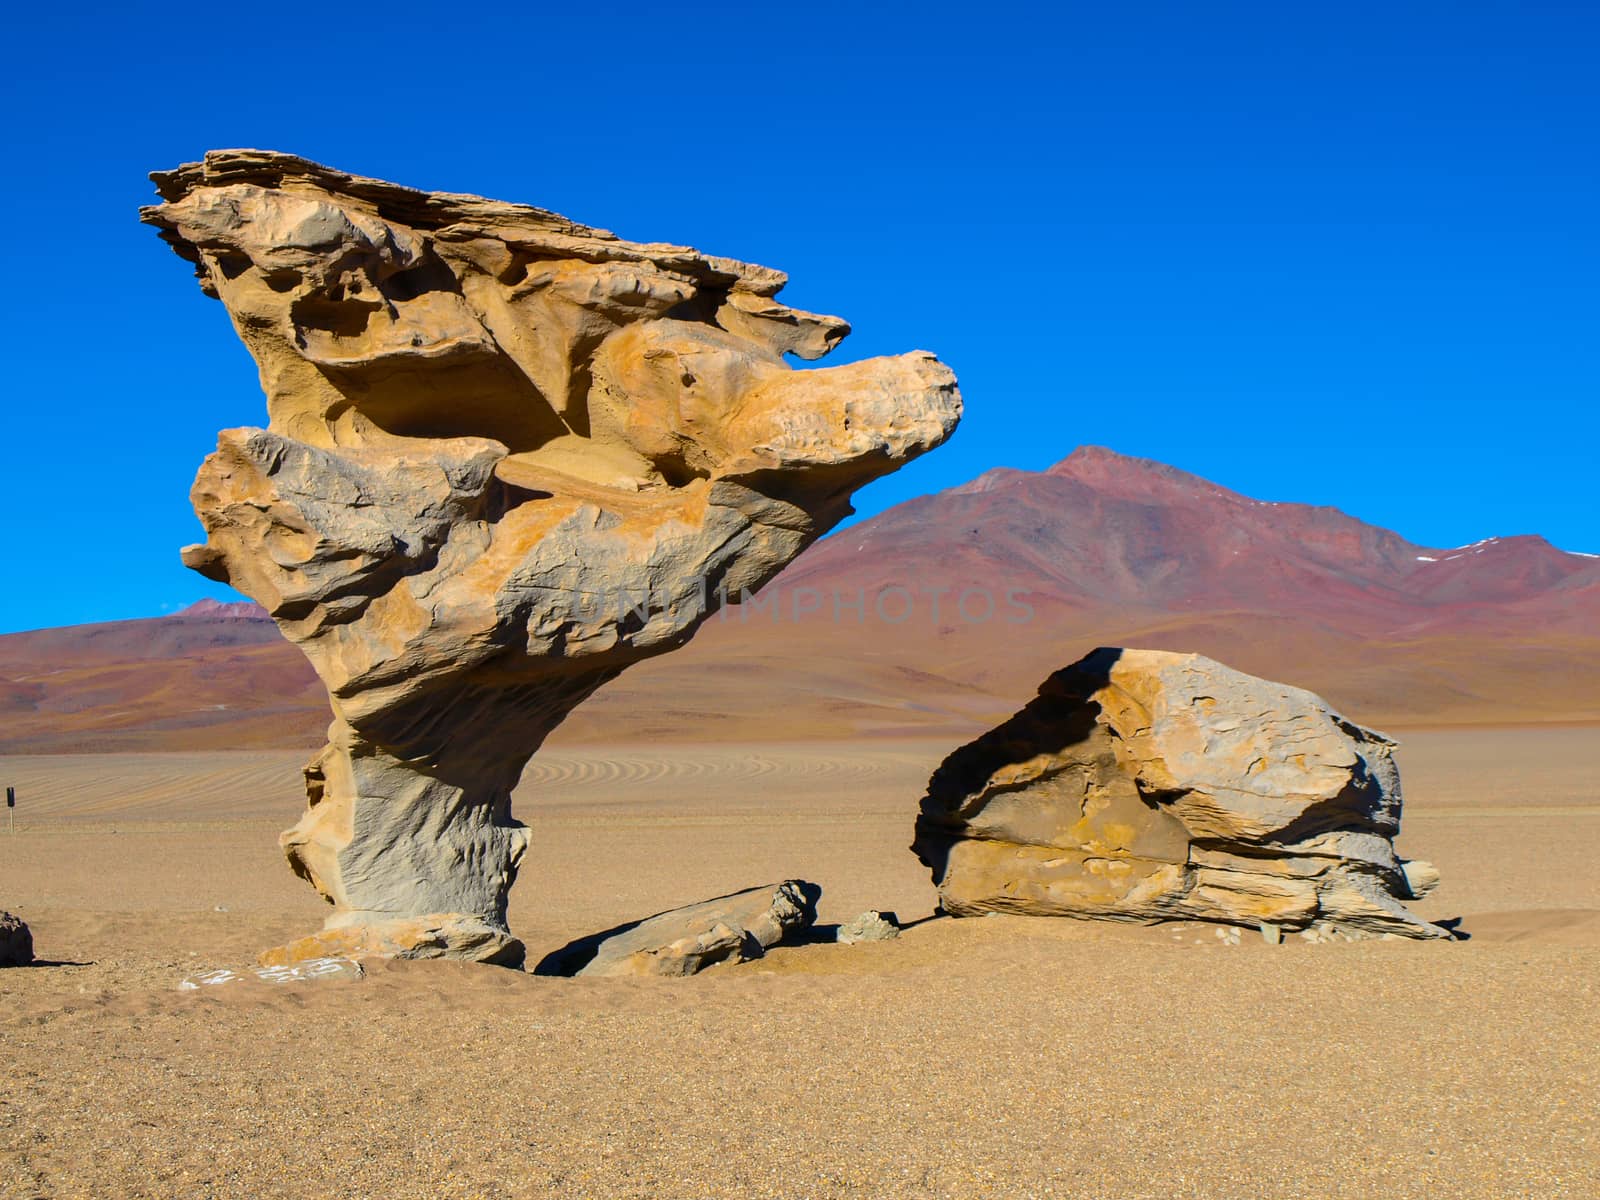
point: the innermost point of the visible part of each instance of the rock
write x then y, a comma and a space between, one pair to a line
1421, 877
507, 456
870, 926
438, 935
1142, 785
683, 941
16, 942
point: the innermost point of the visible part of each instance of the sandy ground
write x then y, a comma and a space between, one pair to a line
994, 1057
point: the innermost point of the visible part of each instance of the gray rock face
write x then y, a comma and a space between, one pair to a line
870, 926
16, 942
1141, 785
682, 941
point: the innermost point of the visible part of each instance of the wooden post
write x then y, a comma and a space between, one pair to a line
11, 809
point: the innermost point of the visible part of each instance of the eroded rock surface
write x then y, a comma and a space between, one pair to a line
508, 455
682, 941
1142, 785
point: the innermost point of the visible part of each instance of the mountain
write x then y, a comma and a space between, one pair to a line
1106, 534
940, 616
1103, 531
211, 676
1107, 549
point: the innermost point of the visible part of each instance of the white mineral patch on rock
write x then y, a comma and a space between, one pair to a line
303, 971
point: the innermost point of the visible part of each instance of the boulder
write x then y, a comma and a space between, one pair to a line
507, 456
16, 942
1142, 785
682, 941
870, 926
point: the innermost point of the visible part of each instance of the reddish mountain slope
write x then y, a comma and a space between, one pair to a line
211, 676
1106, 549
1101, 529
1029, 570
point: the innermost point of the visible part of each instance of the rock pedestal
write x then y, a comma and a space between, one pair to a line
1142, 785
508, 455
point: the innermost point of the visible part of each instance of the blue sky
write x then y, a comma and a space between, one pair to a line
1341, 254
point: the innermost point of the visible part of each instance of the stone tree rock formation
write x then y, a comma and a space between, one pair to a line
1141, 785
507, 455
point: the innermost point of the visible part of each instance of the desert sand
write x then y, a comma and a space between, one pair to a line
991, 1057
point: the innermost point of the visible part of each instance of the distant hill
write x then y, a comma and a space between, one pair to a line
1030, 570
211, 676
1105, 549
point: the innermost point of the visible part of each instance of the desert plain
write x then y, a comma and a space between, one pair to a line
487, 423
1002, 1056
